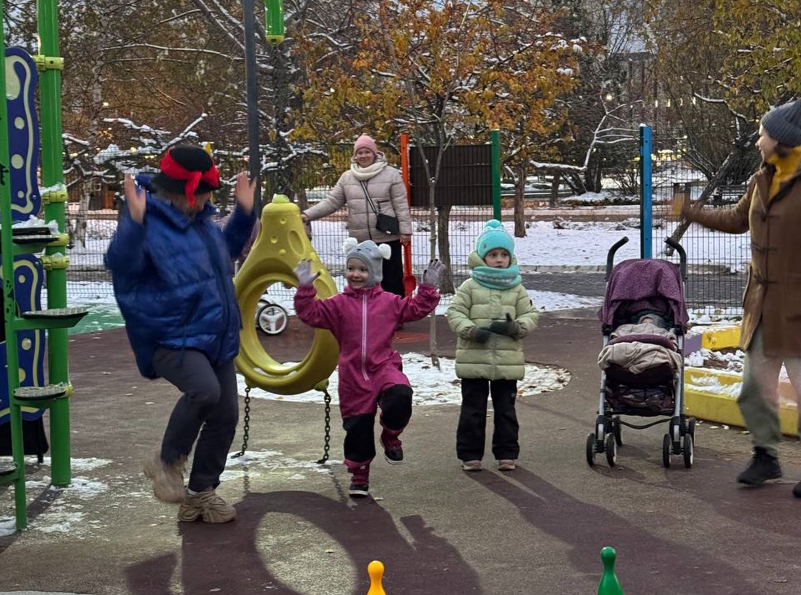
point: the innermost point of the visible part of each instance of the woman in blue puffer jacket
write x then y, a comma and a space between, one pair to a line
172, 273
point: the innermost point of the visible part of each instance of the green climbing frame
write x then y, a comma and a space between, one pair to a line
57, 318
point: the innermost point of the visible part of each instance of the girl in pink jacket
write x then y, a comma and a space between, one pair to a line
363, 319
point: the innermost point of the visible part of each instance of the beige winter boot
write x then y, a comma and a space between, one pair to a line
168, 479
207, 506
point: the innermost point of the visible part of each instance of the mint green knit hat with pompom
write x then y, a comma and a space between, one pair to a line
494, 236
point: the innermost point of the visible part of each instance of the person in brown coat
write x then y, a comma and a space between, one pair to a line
771, 327
371, 176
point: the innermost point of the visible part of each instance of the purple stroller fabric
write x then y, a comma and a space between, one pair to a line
644, 284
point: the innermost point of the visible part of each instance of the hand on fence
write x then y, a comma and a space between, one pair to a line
135, 197
433, 273
303, 273
506, 327
245, 192
480, 334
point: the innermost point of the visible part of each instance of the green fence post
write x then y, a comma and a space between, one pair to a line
53, 174
495, 135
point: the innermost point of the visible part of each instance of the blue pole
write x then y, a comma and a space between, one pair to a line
646, 198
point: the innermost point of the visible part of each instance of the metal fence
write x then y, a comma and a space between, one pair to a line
96, 202
717, 262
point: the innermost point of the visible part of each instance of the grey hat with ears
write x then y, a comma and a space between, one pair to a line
783, 123
371, 254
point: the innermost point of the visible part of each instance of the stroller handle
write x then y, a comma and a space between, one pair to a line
610, 257
682, 256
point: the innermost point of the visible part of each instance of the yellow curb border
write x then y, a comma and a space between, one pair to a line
715, 407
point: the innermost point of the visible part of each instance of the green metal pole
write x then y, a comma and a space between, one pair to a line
495, 135
12, 355
52, 174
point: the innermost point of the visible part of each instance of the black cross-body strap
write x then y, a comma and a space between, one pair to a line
367, 196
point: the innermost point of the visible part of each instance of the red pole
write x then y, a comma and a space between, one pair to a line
409, 282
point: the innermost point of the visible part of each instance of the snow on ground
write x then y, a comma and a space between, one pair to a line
254, 463
431, 386
65, 514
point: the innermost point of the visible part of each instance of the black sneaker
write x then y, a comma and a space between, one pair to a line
797, 490
761, 468
359, 490
394, 456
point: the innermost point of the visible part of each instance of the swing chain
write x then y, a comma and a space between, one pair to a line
327, 444
246, 429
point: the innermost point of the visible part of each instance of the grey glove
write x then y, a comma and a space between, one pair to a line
506, 327
432, 274
303, 273
480, 334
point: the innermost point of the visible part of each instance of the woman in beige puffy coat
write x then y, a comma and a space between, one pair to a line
491, 313
371, 175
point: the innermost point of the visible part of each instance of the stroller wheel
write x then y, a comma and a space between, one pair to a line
687, 449
617, 430
611, 450
666, 446
591, 449
272, 319
691, 429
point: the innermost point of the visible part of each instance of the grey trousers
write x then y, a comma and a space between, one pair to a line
759, 396
209, 407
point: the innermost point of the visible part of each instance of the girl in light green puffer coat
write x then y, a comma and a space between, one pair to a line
491, 313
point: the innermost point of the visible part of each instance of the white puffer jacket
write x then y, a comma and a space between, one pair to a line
388, 192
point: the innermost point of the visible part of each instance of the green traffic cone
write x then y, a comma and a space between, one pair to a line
609, 584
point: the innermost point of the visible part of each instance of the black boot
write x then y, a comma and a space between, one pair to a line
762, 467
797, 490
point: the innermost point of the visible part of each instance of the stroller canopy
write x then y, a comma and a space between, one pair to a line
644, 284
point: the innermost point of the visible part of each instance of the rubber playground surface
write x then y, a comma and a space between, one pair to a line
438, 530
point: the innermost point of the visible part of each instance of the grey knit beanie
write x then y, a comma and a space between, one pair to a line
783, 123
371, 254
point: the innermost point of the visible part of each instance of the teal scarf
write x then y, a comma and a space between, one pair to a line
497, 278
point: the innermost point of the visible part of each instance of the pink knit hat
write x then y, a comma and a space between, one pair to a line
365, 142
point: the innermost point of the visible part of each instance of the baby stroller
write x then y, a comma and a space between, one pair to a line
656, 386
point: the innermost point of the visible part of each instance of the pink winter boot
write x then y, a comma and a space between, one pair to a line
393, 449
360, 478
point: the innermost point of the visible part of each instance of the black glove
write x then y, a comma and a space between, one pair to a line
480, 334
506, 327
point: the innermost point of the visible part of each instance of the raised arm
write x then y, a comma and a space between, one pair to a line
314, 312
126, 254
732, 220
239, 227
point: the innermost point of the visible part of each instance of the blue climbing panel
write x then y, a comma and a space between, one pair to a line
23, 136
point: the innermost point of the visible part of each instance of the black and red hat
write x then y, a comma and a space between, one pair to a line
187, 170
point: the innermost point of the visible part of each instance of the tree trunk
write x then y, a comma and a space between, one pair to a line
446, 282
79, 227
432, 222
302, 199
553, 201
79, 240
520, 202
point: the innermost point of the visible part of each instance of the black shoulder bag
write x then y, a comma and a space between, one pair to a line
386, 223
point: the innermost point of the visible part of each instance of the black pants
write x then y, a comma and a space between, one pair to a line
392, 270
209, 407
470, 435
396, 411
